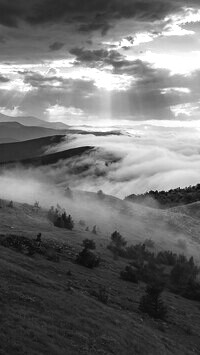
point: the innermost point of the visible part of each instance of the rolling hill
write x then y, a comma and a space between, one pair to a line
49, 159
27, 149
14, 131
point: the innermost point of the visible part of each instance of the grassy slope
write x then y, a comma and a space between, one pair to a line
45, 311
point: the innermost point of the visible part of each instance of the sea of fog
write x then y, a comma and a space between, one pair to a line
145, 156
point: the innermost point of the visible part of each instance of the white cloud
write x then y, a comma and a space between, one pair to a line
14, 111
187, 109
177, 63
175, 89
58, 113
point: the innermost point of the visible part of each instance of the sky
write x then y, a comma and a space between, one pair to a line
99, 61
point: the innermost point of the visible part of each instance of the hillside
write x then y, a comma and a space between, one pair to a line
14, 131
49, 159
166, 199
50, 307
27, 149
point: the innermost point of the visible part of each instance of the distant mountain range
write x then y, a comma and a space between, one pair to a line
14, 131
33, 121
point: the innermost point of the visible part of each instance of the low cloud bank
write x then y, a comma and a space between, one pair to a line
147, 158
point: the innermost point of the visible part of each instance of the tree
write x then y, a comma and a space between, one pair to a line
63, 221
152, 303
88, 258
89, 244
118, 240
184, 273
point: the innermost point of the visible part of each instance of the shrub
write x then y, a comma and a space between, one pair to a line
152, 304
88, 258
89, 244
129, 274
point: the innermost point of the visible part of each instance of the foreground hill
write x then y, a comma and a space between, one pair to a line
51, 307
14, 131
27, 149
166, 199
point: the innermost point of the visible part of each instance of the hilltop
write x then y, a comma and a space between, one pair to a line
32, 121
166, 199
50, 307
14, 131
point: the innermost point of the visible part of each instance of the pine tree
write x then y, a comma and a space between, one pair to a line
152, 303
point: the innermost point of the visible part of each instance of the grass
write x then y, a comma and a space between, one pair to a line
45, 310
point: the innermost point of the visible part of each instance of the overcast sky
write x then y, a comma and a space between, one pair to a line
100, 60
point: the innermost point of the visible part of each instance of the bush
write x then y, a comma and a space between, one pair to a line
129, 274
152, 304
88, 258
89, 244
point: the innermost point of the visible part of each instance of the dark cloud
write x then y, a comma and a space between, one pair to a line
97, 14
89, 27
38, 80
98, 57
10, 12
56, 46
